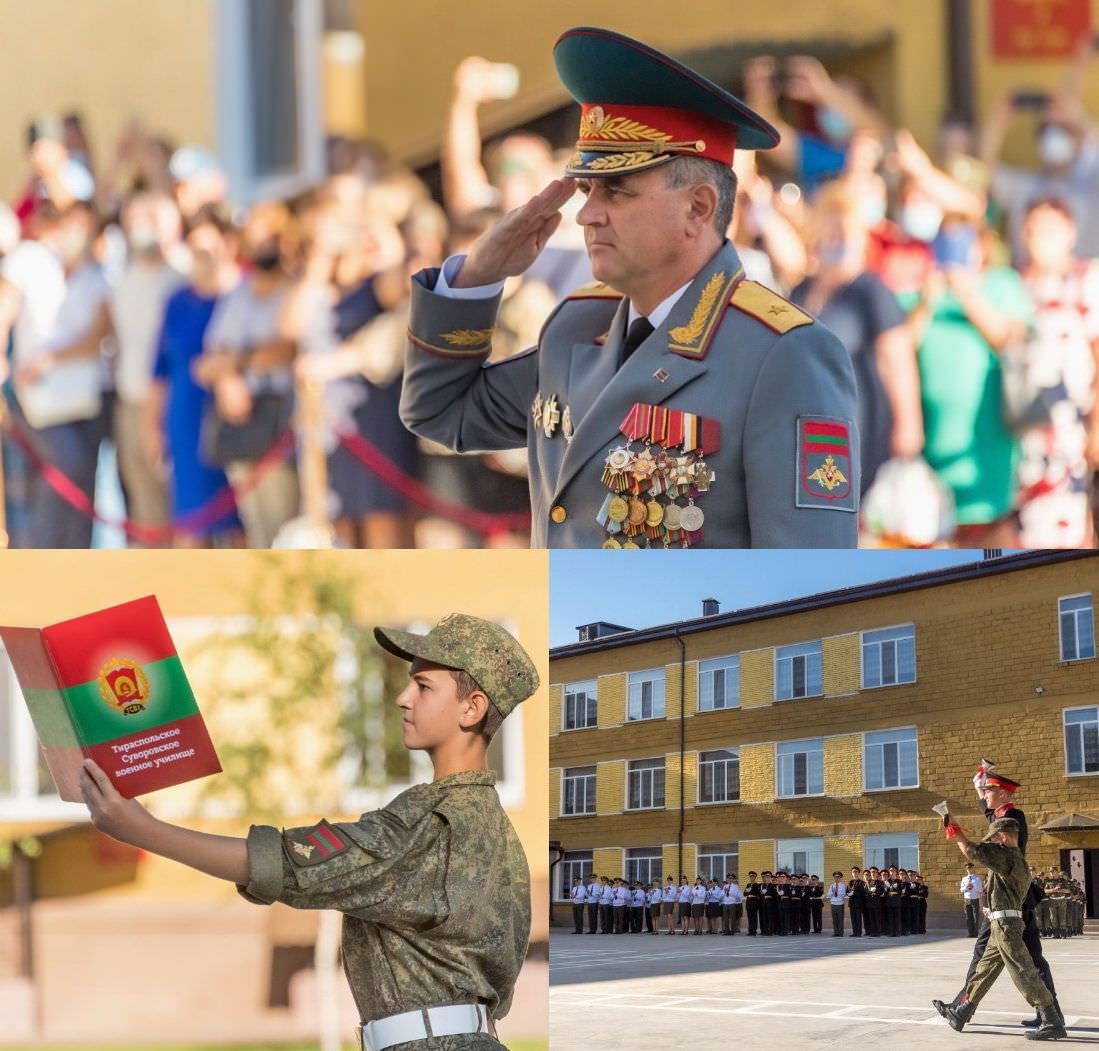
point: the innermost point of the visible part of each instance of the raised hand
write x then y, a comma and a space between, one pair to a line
511, 244
111, 813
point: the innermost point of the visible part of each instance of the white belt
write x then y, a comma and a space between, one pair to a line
1006, 914
419, 1025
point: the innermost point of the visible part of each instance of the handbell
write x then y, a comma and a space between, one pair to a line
943, 810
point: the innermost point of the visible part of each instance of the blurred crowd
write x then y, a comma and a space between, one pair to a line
227, 367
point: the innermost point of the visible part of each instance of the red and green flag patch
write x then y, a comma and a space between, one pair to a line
311, 846
825, 474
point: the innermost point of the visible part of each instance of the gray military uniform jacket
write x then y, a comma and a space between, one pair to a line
775, 386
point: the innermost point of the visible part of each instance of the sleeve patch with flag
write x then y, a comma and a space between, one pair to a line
311, 846
824, 463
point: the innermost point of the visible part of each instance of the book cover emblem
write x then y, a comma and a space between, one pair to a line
124, 686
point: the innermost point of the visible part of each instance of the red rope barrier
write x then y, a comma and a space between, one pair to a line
478, 521
225, 501
194, 521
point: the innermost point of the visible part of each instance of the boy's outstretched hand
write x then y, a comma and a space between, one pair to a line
111, 813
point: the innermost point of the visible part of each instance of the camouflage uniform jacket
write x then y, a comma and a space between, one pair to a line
434, 888
1008, 878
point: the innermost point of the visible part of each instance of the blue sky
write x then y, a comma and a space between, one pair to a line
639, 590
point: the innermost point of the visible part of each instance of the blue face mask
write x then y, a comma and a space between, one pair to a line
834, 124
922, 220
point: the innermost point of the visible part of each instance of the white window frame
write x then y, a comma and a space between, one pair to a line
711, 853
867, 845
592, 695
723, 762
862, 657
23, 802
866, 766
594, 775
778, 772
784, 846
235, 112
654, 675
1064, 739
819, 643
730, 662
652, 772
1076, 628
565, 877
652, 854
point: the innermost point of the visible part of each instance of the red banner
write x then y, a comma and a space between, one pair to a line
1038, 28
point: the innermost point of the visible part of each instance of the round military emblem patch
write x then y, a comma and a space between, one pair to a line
124, 686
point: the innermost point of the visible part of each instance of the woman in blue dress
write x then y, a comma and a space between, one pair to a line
204, 512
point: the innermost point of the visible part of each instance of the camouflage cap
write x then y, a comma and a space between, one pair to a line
1004, 824
488, 653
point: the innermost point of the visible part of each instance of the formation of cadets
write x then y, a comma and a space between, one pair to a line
882, 902
1060, 913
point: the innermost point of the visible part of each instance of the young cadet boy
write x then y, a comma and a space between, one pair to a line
591, 901
431, 959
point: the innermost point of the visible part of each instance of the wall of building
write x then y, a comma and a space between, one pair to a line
112, 63
899, 48
984, 649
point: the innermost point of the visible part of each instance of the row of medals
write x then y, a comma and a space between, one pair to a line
643, 504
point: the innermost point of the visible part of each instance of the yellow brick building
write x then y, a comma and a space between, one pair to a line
817, 733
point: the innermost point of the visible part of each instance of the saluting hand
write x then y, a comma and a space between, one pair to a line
511, 244
111, 813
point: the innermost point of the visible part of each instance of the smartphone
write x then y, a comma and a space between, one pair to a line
954, 246
1030, 100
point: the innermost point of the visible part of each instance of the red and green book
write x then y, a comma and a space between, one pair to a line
110, 686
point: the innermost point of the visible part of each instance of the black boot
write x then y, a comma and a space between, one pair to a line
956, 1014
1053, 1024
1033, 1023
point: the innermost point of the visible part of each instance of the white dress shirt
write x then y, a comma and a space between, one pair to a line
971, 887
837, 893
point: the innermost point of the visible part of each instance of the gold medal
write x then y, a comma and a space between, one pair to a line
618, 509
638, 512
643, 466
672, 514
655, 515
691, 518
610, 544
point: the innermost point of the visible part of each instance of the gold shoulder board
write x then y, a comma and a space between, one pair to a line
594, 290
768, 307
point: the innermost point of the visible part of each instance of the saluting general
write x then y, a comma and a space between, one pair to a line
672, 402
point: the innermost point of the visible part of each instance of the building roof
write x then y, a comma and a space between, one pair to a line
877, 589
1073, 821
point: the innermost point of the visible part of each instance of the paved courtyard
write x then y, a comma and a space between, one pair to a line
743, 994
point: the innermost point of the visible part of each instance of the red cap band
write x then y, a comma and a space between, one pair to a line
694, 134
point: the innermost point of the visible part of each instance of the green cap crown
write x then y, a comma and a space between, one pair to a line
488, 653
1004, 824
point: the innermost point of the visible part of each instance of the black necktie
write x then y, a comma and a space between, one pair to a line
639, 331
